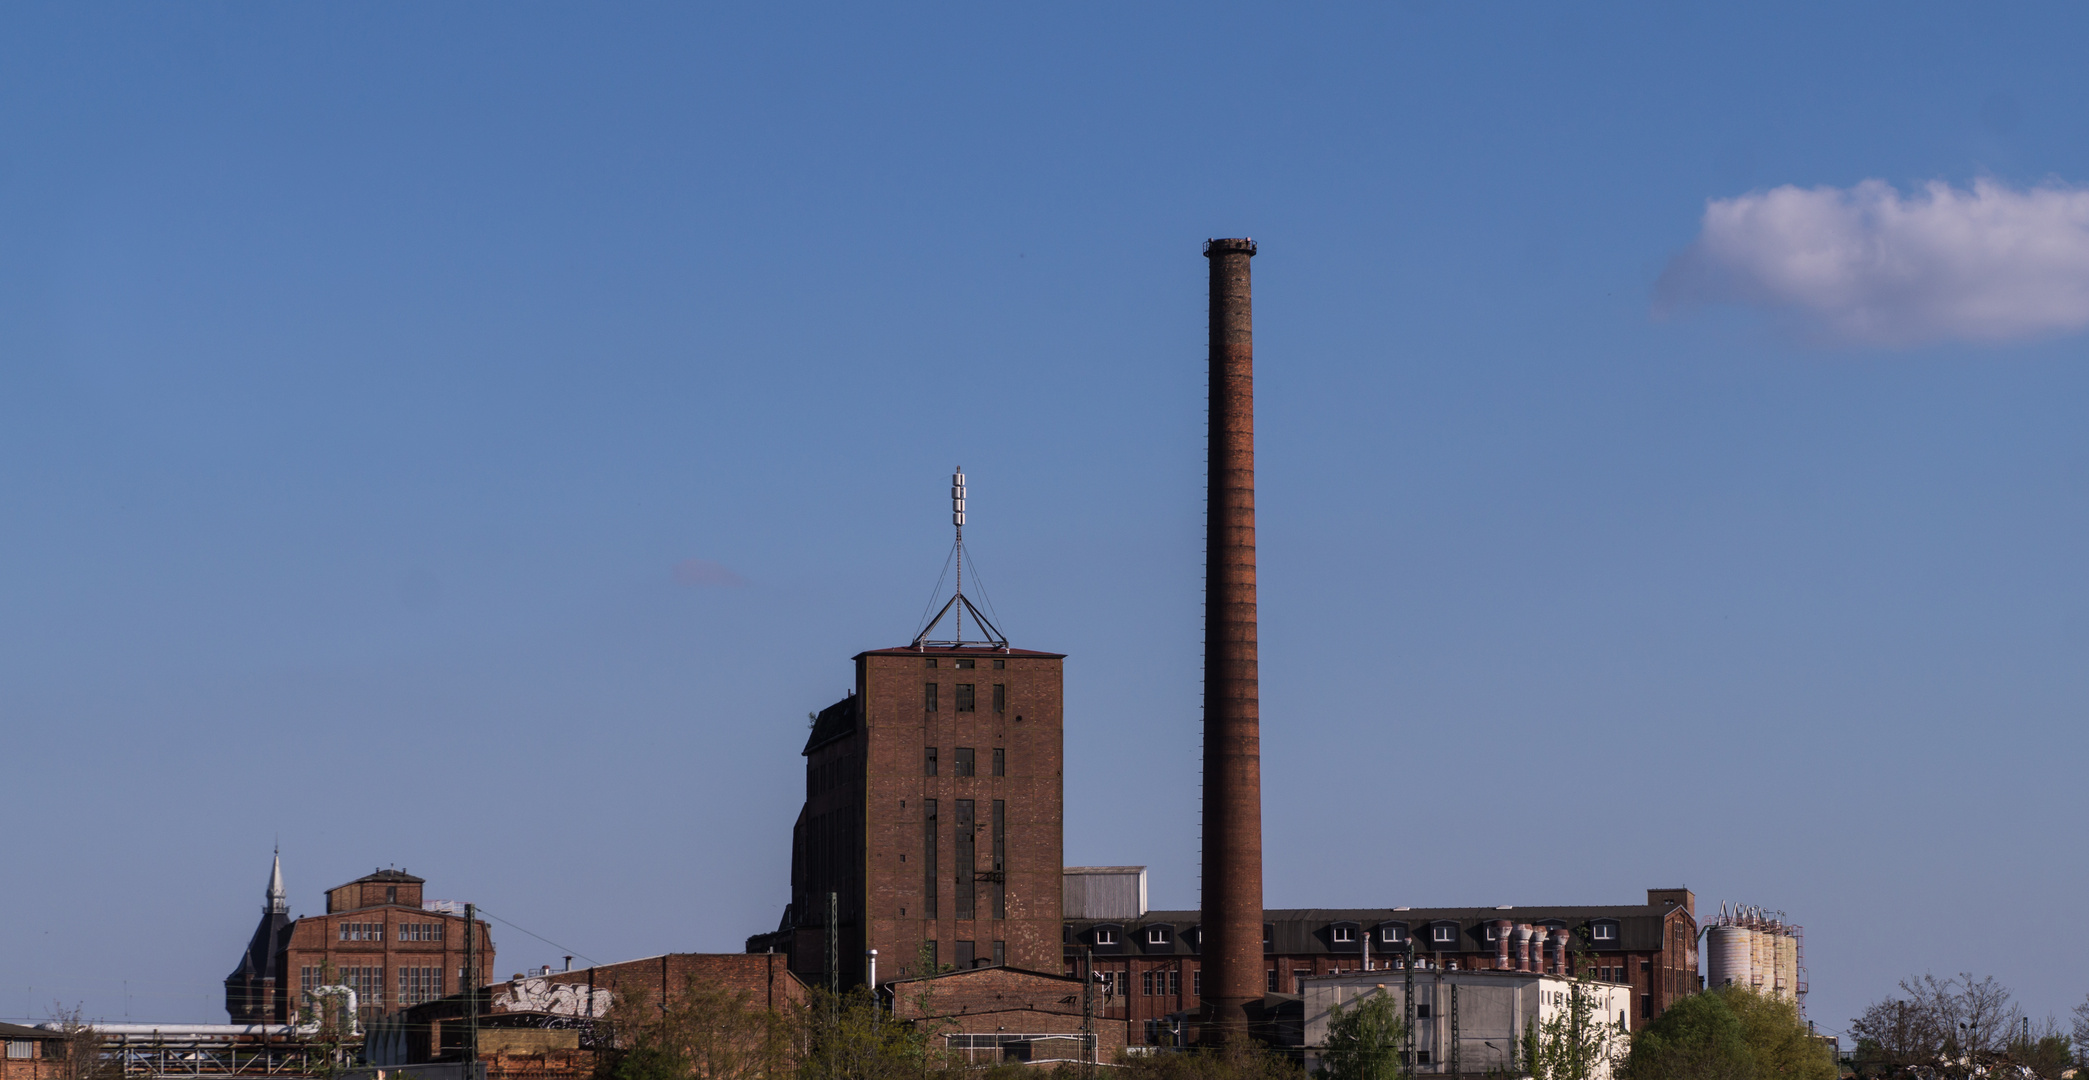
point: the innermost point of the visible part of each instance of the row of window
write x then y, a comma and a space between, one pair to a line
966, 697
21, 1049
374, 931
967, 951
965, 663
969, 876
963, 761
416, 984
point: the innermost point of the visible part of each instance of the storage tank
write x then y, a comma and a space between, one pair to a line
1787, 964
1726, 955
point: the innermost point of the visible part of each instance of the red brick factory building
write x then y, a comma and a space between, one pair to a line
378, 938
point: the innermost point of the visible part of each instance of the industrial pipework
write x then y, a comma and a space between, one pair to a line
1232, 886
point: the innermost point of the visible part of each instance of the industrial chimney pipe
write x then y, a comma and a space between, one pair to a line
1232, 893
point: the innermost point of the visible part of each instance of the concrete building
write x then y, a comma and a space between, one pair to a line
1489, 1012
379, 938
1153, 965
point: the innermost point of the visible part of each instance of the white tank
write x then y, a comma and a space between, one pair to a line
1759, 958
1787, 965
1726, 955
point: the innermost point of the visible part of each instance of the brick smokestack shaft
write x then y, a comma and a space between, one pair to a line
1232, 893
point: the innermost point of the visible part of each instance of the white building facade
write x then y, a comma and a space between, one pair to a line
1489, 1011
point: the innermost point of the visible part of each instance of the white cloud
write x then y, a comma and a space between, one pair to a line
1866, 265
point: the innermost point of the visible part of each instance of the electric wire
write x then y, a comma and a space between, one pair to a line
592, 962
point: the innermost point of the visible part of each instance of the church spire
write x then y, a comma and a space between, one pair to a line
278, 903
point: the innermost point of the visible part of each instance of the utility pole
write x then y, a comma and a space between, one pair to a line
471, 992
1457, 1059
834, 943
1407, 1062
1087, 1014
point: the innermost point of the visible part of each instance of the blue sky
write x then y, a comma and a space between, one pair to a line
366, 373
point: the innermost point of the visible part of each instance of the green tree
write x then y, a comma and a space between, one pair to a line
1697, 1038
1363, 1041
1578, 1043
1780, 1044
1242, 1059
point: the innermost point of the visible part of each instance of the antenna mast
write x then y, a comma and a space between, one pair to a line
957, 518
958, 604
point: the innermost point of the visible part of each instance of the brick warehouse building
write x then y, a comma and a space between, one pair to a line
377, 938
933, 814
1152, 966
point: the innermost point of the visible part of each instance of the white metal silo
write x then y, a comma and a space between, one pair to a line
1726, 957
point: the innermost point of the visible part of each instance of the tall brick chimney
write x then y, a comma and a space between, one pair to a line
1232, 893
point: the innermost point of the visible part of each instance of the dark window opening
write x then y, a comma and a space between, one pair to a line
928, 701
932, 661
1000, 697
1272, 973
930, 948
928, 764
965, 662
1646, 1006
964, 762
1421, 1010
928, 857
999, 663
964, 697
1000, 857
967, 853
1000, 761
1197, 981
391, 894
965, 956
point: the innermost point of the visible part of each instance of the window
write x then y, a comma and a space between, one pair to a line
928, 858
928, 762
1646, 1006
1493, 932
1146, 983
1105, 937
964, 761
1443, 933
932, 661
1000, 761
928, 701
1000, 854
307, 978
1197, 981
20, 1049
391, 895
418, 984
1646, 965
1298, 980
1000, 953
1344, 934
965, 958
1421, 1057
1000, 697
967, 854
930, 948
1604, 931
965, 662
964, 697
1392, 933
1421, 1010
999, 663
1272, 981
1157, 935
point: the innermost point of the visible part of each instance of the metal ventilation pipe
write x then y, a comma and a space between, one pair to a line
1232, 895
1523, 946
1502, 929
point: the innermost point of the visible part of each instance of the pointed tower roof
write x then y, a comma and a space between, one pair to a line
278, 901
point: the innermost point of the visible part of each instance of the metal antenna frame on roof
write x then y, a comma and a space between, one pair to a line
958, 603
